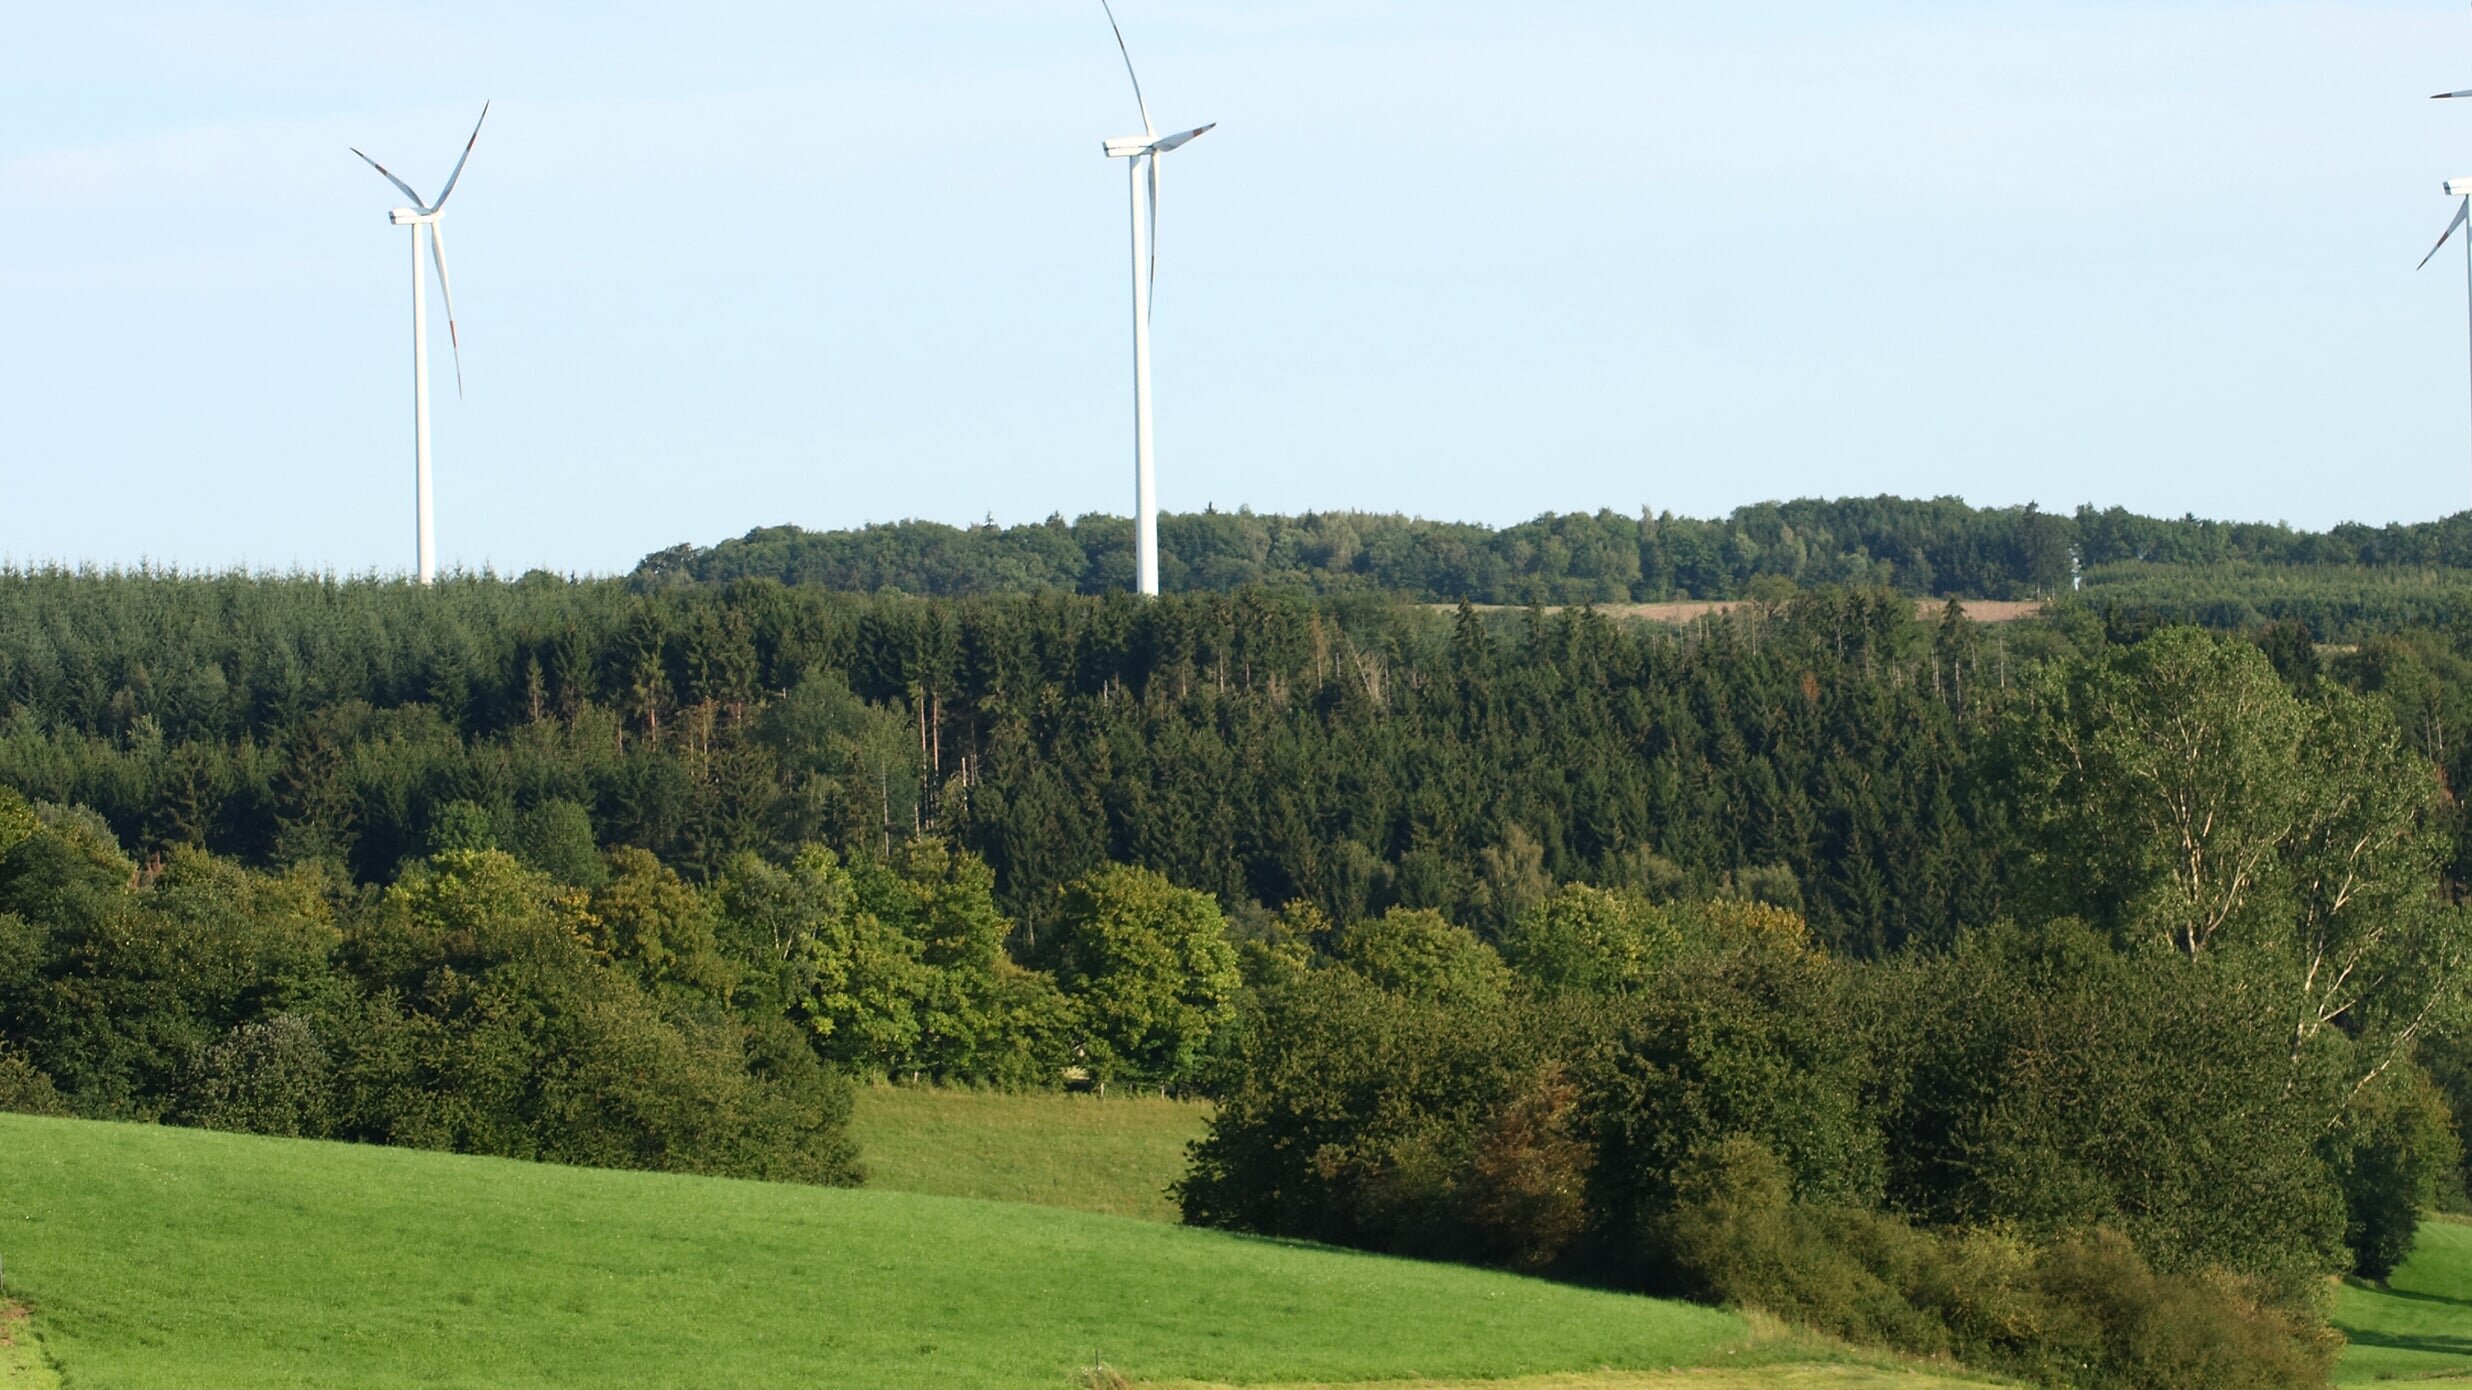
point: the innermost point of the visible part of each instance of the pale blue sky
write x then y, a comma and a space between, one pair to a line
725, 265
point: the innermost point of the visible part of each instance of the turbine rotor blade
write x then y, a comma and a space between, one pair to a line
449, 191
2450, 96
437, 253
1150, 302
1177, 142
2463, 214
1147, 127
418, 201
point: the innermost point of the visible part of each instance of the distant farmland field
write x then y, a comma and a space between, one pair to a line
1682, 614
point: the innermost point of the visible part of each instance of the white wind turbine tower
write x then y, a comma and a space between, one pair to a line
1142, 153
424, 213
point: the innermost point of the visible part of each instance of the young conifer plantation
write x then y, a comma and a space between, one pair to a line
2078, 997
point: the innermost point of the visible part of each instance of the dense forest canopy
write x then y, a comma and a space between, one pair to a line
1355, 752
1939, 548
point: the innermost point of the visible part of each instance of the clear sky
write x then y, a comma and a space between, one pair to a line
727, 264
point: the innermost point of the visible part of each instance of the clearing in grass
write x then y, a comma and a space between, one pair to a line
187, 1260
1117, 1156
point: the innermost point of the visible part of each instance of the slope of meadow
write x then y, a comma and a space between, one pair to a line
166, 1257
1115, 1156
179, 1259
2419, 1326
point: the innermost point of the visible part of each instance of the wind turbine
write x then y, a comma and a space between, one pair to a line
424, 213
1142, 154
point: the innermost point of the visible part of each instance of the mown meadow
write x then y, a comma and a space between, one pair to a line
188, 1260
2418, 1325
1118, 1155
177, 1258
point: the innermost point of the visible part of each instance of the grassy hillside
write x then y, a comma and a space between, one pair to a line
1114, 1156
180, 1259
22, 1366
2420, 1324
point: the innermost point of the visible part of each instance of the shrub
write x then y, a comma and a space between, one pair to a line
1524, 1200
2116, 1322
1367, 1116
24, 1089
2086, 1310
2049, 1081
1735, 1234
1761, 1042
270, 1076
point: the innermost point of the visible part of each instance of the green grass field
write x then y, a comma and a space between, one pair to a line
158, 1257
22, 1366
1115, 1156
2420, 1325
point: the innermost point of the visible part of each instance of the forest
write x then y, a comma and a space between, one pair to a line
2077, 991
1940, 548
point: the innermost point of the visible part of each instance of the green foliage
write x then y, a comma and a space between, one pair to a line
111, 989
1736, 1234
2085, 1310
475, 1006
1763, 1122
1592, 939
651, 921
494, 1027
1743, 879
1349, 751
555, 837
1417, 952
24, 1089
1935, 547
266, 1076
2139, 1329
18, 822
2339, 601
2396, 1145
2047, 1081
897, 967
2446, 1058
2179, 788
462, 825
1150, 969
2178, 794
1360, 1105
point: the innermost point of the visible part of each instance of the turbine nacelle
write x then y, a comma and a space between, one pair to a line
2459, 188
1135, 146
410, 217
